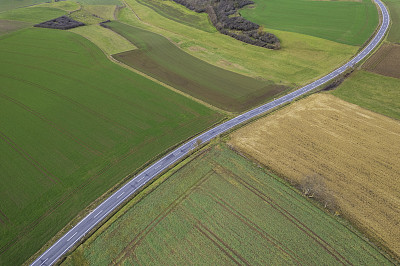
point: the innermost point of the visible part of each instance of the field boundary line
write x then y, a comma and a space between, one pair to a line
219, 244
87, 84
169, 87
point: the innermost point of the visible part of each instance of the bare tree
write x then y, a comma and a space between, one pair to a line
313, 186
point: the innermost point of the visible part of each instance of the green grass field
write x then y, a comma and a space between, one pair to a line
107, 40
394, 9
86, 17
179, 13
301, 59
72, 125
32, 14
372, 91
69, 5
349, 22
161, 59
221, 209
13, 4
106, 12
99, 2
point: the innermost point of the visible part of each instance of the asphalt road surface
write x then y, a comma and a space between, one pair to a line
67, 241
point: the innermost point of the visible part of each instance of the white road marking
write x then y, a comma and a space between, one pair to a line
98, 213
72, 236
44, 261
120, 195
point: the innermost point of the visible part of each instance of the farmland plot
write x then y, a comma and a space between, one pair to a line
72, 125
300, 60
7, 26
221, 209
372, 91
349, 22
161, 59
12, 4
354, 151
394, 9
385, 61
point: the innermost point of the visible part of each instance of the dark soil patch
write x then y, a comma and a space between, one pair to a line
61, 23
386, 61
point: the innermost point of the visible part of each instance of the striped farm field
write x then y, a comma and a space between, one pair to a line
159, 58
353, 151
72, 125
300, 60
218, 208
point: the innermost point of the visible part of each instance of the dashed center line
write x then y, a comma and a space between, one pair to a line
72, 236
98, 213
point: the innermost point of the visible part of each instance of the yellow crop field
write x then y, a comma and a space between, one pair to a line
355, 151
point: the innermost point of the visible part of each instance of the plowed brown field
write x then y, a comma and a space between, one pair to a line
355, 150
386, 61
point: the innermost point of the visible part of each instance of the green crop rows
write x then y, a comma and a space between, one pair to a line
221, 209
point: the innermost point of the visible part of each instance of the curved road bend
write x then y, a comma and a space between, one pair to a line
51, 255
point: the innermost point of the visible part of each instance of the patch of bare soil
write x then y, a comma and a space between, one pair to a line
386, 61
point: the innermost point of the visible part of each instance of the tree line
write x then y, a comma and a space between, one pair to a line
226, 19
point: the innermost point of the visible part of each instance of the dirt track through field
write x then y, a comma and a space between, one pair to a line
357, 152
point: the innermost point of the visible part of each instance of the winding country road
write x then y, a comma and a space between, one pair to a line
67, 241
